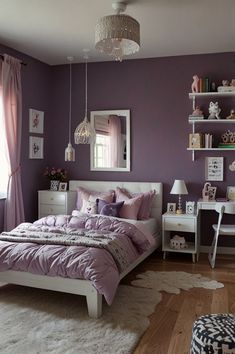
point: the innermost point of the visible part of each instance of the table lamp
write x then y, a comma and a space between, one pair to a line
180, 188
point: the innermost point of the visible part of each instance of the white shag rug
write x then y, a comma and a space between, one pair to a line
34, 321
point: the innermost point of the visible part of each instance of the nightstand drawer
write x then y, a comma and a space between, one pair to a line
57, 198
51, 209
179, 224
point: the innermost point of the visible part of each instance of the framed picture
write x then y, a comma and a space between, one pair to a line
214, 168
231, 193
171, 208
36, 121
190, 207
212, 192
63, 186
35, 147
195, 141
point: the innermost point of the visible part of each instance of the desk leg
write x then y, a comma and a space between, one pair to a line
164, 255
193, 257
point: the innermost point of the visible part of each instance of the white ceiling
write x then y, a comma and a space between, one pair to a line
51, 30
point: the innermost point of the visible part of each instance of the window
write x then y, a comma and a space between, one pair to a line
101, 151
3, 156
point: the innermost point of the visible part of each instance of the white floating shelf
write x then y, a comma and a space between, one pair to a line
211, 94
212, 149
219, 121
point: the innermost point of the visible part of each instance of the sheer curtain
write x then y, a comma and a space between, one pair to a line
12, 124
115, 141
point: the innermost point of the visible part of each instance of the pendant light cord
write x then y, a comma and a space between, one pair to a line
86, 91
70, 99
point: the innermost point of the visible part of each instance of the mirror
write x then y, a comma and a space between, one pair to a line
111, 150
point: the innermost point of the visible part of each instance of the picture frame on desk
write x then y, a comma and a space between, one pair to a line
231, 193
212, 193
63, 186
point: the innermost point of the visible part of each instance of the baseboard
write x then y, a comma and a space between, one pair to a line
220, 250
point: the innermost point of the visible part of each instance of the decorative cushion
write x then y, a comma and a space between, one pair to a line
89, 207
109, 209
85, 194
214, 334
147, 201
130, 208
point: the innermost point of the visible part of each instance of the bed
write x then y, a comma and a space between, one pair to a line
85, 287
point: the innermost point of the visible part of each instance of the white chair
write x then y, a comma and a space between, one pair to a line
220, 229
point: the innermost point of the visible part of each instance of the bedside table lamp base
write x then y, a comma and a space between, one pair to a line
179, 210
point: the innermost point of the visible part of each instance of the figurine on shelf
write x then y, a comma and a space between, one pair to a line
195, 84
232, 83
232, 114
197, 112
225, 82
214, 110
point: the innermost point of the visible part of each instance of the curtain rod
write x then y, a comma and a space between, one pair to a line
22, 63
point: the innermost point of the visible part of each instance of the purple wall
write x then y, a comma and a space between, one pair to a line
36, 89
156, 92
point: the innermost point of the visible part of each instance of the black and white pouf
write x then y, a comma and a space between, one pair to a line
214, 334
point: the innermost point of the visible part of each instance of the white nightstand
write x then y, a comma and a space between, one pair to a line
55, 203
180, 223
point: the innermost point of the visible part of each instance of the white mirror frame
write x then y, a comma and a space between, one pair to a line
122, 112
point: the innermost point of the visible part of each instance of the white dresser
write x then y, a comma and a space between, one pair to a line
55, 203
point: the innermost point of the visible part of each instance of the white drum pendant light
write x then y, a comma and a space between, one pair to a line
117, 35
69, 151
84, 133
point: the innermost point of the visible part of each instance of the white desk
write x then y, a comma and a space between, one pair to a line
202, 205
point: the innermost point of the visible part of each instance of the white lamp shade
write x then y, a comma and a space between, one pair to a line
179, 187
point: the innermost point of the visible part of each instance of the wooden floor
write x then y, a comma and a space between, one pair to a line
171, 323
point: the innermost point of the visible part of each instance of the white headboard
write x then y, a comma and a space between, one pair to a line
133, 187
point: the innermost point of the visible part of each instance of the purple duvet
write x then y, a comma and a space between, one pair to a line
95, 248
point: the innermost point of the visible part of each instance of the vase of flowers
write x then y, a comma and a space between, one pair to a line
55, 175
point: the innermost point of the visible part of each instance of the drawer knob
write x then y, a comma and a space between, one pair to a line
178, 224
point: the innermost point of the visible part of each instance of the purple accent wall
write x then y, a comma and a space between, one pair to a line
36, 89
156, 92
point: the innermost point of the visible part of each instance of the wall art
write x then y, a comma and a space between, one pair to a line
36, 121
35, 147
214, 168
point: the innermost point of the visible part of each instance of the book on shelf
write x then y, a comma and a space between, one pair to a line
204, 84
226, 145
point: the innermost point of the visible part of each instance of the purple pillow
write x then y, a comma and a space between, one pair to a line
109, 209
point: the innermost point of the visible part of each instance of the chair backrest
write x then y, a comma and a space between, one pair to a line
225, 208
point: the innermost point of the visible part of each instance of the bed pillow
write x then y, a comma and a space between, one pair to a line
109, 209
147, 201
86, 194
130, 208
89, 207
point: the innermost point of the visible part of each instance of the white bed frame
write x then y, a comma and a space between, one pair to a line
84, 287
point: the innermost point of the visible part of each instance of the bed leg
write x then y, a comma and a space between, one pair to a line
94, 304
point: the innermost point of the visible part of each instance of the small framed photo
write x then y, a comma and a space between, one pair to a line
214, 168
212, 192
35, 147
36, 121
63, 186
190, 207
171, 208
231, 193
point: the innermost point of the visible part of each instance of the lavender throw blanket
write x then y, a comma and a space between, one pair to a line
95, 248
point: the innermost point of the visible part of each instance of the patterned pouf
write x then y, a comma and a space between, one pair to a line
214, 334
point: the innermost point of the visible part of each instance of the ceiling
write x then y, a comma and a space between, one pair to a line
51, 30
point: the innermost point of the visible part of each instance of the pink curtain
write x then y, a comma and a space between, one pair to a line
12, 110
115, 140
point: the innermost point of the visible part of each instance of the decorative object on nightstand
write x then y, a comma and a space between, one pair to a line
178, 242
214, 111
190, 207
179, 188
171, 208
69, 151
55, 175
